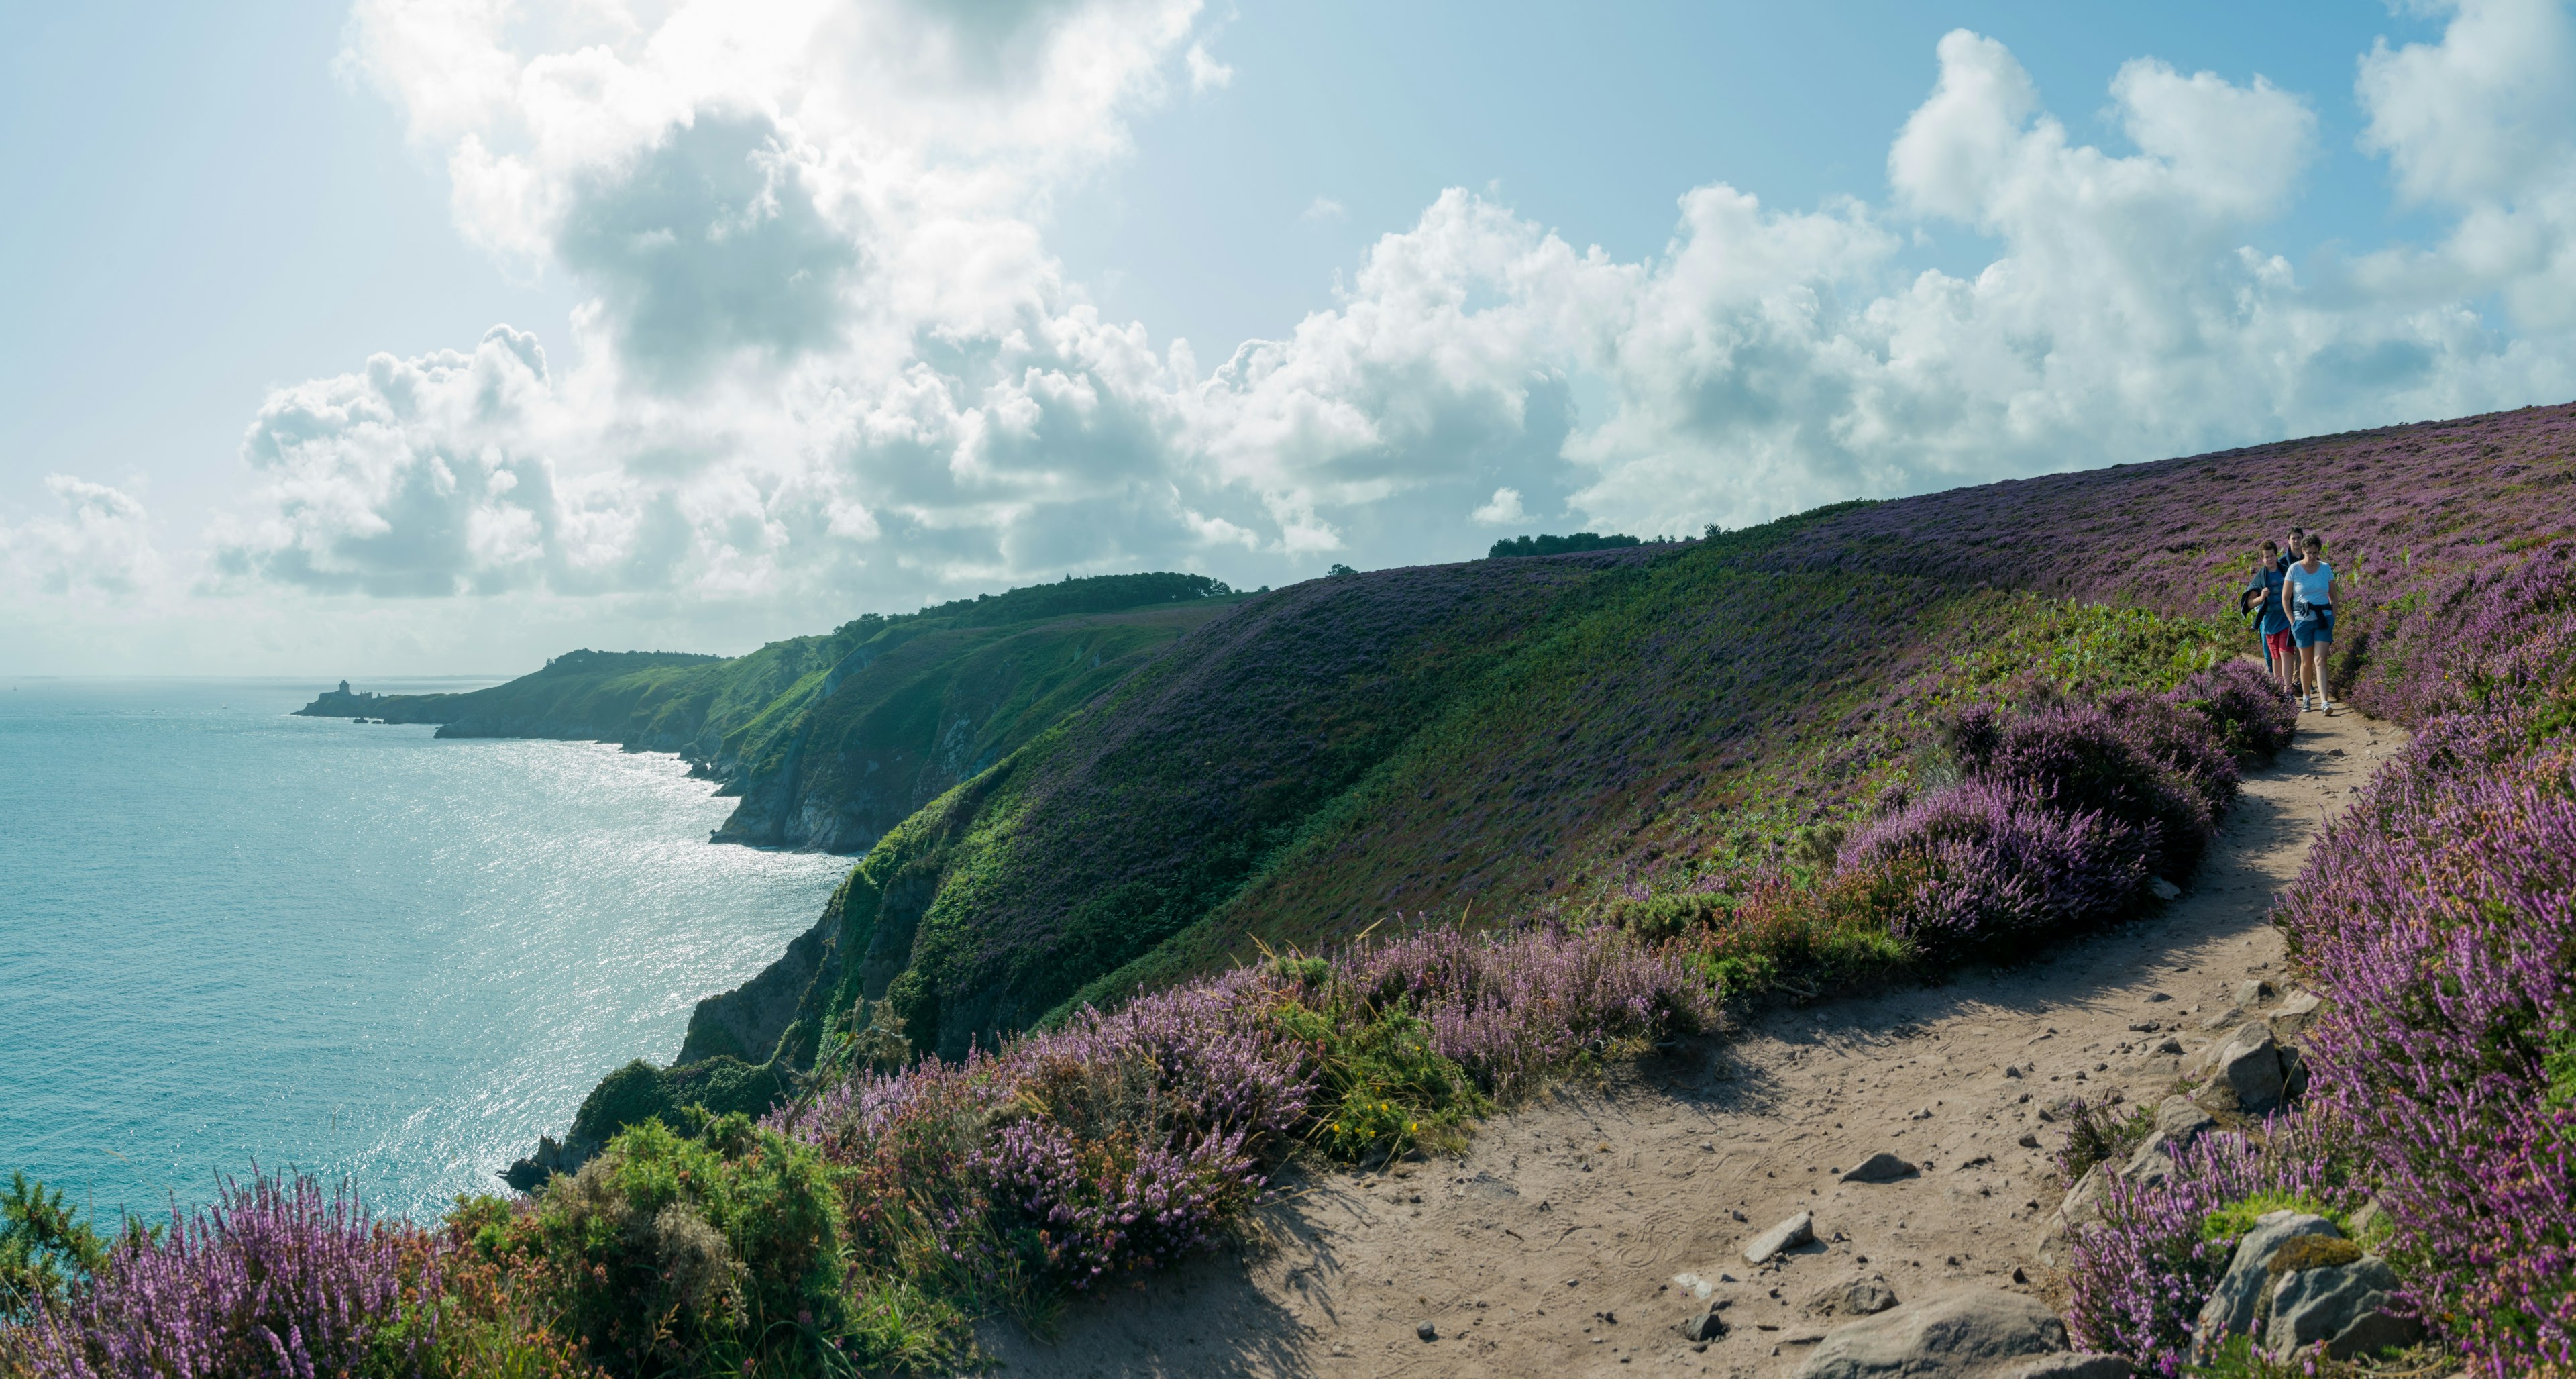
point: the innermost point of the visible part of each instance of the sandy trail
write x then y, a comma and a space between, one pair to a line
1583, 1206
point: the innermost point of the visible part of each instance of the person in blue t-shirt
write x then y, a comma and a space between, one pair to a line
2308, 589
2262, 600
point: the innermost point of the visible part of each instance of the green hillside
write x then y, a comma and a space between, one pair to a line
1608, 733
833, 739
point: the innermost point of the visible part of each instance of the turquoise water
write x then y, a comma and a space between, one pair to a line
230, 935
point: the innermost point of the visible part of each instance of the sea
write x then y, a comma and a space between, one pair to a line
233, 941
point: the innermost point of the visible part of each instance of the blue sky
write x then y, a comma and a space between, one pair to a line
696, 325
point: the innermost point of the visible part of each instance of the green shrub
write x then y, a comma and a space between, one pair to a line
44, 1249
1383, 1088
2234, 1220
673, 1254
2099, 1135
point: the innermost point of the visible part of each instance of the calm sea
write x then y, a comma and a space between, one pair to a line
228, 935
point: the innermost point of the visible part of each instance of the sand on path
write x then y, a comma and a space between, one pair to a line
1572, 1236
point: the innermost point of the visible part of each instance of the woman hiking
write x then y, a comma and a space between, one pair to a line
2308, 588
2272, 619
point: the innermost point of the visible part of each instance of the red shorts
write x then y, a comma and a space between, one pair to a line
2278, 643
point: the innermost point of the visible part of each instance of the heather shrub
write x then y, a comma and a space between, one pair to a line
2099, 1134
2137, 1277
673, 1253
2250, 716
1514, 1009
272, 1278
2084, 761
2440, 918
2184, 742
1134, 1134
1988, 860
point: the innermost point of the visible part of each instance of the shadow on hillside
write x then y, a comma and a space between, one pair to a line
1234, 1328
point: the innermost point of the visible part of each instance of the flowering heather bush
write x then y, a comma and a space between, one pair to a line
2242, 706
1120, 1141
1135, 1134
2085, 760
2440, 918
2001, 859
273, 1278
2138, 1277
1514, 1010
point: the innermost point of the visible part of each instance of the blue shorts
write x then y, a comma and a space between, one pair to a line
2316, 629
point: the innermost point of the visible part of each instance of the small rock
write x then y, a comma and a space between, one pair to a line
2057, 1108
2170, 1045
1427, 1332
2145, 1027
2011, 1071
2151, 1164
2245, 1073
2028, 1140
2220, 1019
1920, 1114
1705, 1327
1859, 1297
1972, 1333
2181, 1120
2253, 993
2154, 996
2162, 889
1881, 1167
2315, 1305
2233, 1305
2295, 1015
1788, 1235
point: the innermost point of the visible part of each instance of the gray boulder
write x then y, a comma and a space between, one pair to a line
2236, 1301
2315, 1305
1788, 1235
2372, 1332
2074, 1364
2151, 1164
2180, 1120
1966, 1335
2244, 1072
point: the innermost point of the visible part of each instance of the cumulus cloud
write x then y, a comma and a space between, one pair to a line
1502, 510
827, 356
101, 544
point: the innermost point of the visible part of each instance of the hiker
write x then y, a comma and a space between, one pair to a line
2271, 618
2309, 590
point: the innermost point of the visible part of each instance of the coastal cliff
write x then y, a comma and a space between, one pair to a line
831, 740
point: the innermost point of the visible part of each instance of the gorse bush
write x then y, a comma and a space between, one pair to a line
44, 1248
677, 1254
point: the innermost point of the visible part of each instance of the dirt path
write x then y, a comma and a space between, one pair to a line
1612, 1202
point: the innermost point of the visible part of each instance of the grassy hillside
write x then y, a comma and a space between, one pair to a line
1578, 732
833, 739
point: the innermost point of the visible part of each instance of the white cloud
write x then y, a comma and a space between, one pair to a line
1501, 510
101, 544
1206, 73
828, 362
1324, 208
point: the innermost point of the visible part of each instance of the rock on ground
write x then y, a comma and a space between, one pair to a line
1974, 1334
2235, 1302
1788, 1235
2315, 1305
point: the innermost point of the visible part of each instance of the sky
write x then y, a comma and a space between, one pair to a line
438, 336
